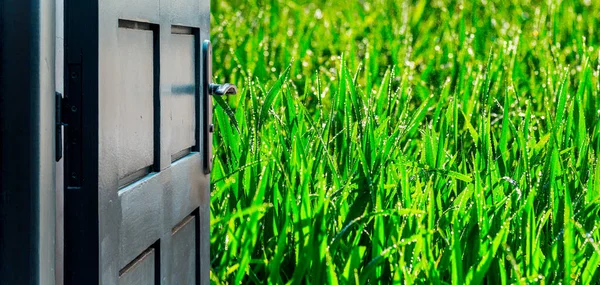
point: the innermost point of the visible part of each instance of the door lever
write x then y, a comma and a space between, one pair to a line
222, 89
210, 89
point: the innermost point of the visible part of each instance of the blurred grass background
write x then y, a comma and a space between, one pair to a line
379, 142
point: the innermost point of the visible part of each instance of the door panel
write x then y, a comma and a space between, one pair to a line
183, 89
141, 217
151, 194
183, 198
183, 252
141, 271
134, 99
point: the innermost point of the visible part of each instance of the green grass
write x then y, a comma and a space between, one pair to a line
427, 142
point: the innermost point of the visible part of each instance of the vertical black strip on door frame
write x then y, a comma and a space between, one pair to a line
197, 70
157, 258
81, 224
157, 107
196, 214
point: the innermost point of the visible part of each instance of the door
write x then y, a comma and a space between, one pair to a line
137, 137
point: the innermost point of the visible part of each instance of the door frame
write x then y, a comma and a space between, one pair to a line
81, 228
27, 154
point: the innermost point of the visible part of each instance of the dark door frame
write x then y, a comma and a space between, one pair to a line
81, 155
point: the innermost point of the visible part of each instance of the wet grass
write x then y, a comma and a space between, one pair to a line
427, 142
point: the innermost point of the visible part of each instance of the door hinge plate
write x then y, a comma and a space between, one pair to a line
58, 147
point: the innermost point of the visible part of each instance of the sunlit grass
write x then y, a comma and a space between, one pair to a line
378, 142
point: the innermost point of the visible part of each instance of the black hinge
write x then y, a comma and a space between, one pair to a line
72, 115
59, 124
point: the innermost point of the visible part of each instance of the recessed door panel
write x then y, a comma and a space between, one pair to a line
182, 115
135, 101
183, 198
184, 252
141, 217
140, 271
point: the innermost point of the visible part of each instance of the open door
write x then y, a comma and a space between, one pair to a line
137, 191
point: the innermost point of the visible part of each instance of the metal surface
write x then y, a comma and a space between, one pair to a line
222, 89
136, 198
27, 154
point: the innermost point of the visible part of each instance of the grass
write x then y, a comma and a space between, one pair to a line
427, 142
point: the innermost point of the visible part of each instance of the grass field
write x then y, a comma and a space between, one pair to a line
426, 142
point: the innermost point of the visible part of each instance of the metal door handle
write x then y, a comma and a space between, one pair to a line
210, 89
222, 89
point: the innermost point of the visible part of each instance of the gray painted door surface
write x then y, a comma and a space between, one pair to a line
144, 114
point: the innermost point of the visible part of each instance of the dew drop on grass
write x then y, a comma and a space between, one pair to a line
318, 14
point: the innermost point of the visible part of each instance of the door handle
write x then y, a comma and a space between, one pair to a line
222, 89
210, 89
